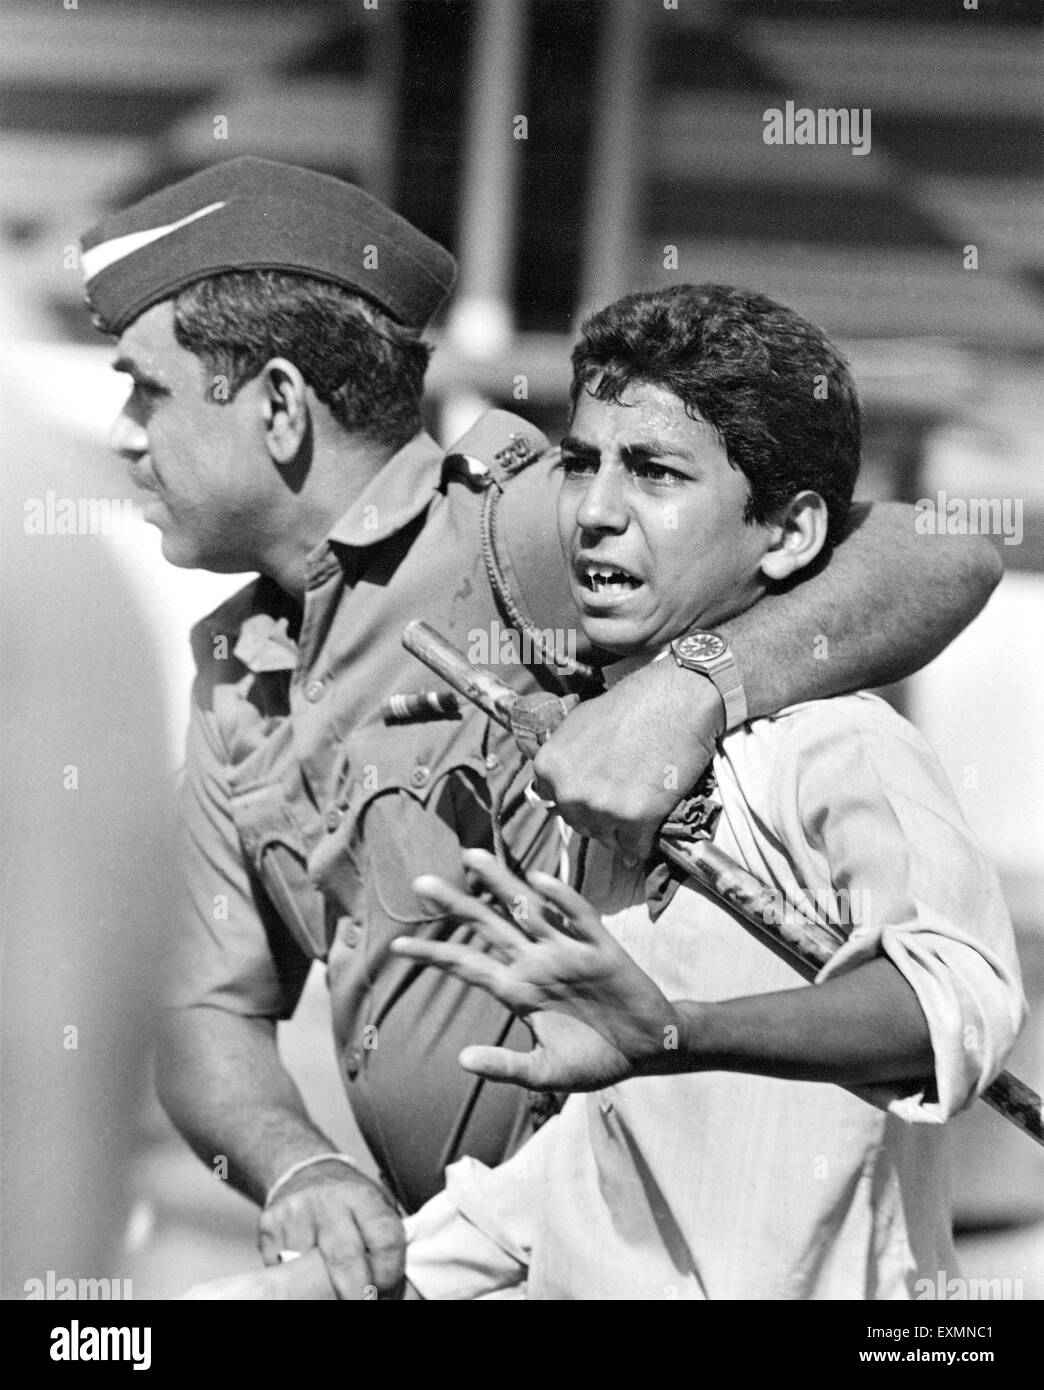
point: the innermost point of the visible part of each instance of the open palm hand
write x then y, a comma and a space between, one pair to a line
596, 1016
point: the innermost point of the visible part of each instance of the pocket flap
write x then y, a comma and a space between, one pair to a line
274, 845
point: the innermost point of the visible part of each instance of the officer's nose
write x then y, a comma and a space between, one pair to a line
128, 438
603, 506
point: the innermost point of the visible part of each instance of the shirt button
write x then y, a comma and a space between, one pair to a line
419, 776
351, 1062
351, 935
492, 761
313, 691
333, 818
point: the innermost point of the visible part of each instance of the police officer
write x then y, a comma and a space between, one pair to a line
270, 320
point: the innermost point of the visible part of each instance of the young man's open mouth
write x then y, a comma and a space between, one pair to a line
605, 583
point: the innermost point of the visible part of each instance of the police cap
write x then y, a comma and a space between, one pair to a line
257, 214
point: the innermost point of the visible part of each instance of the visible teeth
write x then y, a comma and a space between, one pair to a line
604, 577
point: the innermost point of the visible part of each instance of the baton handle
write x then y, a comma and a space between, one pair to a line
811, 943
475, 683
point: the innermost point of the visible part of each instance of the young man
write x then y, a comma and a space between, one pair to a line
270, 319
746, 1137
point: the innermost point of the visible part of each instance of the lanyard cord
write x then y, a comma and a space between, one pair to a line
495, 572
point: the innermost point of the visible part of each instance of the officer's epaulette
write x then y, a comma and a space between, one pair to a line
519, 542
497, 446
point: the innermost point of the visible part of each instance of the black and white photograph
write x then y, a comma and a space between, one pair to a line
522, 733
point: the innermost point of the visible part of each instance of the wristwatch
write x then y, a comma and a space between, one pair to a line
711, 656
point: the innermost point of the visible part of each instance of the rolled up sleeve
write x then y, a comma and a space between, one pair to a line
916, 887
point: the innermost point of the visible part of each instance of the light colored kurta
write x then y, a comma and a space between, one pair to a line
722, 1185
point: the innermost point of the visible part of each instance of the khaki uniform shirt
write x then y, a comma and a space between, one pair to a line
308, 816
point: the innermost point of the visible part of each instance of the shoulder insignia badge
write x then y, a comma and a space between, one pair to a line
516, 454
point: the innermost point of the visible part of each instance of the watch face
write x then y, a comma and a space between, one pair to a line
701, 646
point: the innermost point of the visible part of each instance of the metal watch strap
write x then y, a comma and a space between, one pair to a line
720, 668
726, 677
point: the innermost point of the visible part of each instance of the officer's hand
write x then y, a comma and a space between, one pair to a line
350, 1219
617, 767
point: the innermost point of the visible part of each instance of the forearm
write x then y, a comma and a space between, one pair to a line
886, 603
863, 1028
221, 1081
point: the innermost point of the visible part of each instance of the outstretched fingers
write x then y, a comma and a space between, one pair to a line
517, 899
489, 924
580, 918
472, 966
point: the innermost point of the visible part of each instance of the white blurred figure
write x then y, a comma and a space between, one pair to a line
87, 869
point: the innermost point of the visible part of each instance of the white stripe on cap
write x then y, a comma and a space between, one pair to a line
107, 253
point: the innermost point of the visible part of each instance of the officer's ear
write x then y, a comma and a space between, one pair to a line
285, 404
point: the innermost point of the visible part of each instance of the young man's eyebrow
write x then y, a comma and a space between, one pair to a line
653, 450
638, 450
577, 446
641, 452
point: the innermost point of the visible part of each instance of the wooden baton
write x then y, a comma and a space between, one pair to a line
807, 943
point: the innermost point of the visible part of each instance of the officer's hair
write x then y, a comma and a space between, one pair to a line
368, 369
779, 394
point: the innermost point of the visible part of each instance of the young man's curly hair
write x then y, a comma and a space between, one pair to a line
777, 391
368, 369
